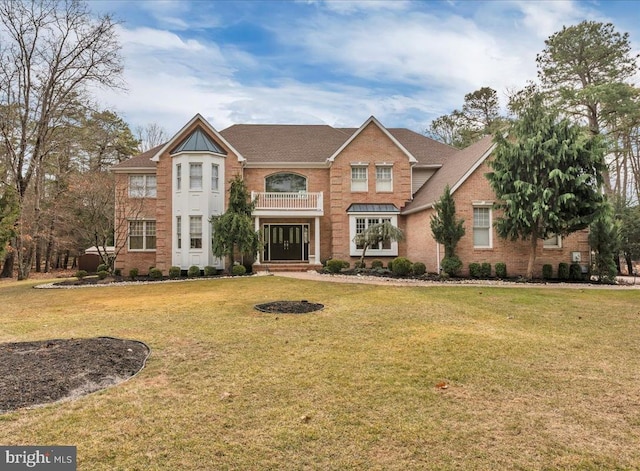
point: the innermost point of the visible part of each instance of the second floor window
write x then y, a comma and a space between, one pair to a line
359, 178
195, 176
384, 178
214, 177
285, 183
178, 177
142, 186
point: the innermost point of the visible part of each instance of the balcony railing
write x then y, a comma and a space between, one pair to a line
272, 201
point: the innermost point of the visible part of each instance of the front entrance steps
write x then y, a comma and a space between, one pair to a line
285, 266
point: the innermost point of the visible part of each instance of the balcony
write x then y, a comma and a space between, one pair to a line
285, 204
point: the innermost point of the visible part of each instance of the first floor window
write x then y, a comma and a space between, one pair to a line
142, 235
482, 227
359, 178
142, 186
360, 223
179, 230
195, 232
384, 178
553, 242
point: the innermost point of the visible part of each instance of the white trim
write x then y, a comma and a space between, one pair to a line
373, 120
179, 134
356, 252
148, 170
286, 165
488, 228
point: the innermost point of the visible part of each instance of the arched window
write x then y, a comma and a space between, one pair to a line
286, 183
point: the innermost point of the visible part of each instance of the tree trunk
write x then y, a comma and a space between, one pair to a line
7, 268
65, 264
38, 257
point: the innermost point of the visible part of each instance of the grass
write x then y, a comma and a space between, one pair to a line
537, 378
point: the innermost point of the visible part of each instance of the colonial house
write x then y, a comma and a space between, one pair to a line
315, 188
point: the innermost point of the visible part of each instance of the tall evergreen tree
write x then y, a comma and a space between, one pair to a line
547, 176
604, 239
446, 229
233, 231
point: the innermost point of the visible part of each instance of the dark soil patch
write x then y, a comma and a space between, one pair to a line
289, 307
33, 373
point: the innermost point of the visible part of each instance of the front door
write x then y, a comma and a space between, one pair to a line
286, 242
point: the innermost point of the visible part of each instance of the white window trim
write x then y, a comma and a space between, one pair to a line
144, 235
178, 177
179, 232
557, 245
215, 188
364, 183
354, 251
490, 246
379, 182
145, 186
198, 249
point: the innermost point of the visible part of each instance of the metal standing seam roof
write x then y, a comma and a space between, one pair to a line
372, 208
198, 141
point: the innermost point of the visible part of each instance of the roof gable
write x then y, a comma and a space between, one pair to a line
454, 172
205, 126
373, 120
198, 141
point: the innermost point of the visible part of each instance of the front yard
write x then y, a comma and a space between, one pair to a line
383, 378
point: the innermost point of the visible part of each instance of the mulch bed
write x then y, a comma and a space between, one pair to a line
289, 307
33, 373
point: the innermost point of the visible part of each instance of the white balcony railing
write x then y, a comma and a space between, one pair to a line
287, 201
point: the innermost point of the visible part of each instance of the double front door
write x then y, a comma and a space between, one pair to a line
286, 242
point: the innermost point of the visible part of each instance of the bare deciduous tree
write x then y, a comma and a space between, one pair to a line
52, 51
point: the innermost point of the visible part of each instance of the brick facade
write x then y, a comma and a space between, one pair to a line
370, 147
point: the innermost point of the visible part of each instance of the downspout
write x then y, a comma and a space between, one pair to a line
438, 258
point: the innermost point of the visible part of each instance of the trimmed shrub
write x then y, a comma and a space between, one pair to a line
360, 264
547, 271
418, 268
401, 266
376, 263
563, 271
117, 272
133, 273
174, 272
485, 270
390, 265
238, 270
210, 271
102, 274
102, 267
451, 266
335, 265
80, 274
501, 270
193, 271
475, 270
575, 272
155, 274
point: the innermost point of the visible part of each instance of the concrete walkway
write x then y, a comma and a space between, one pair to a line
625, 282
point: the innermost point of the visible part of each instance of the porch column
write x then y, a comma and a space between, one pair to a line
317, 241
260, 249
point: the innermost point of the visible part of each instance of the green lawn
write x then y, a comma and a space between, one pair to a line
537, 378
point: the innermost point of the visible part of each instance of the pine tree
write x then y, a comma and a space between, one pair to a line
547, 175
233, 231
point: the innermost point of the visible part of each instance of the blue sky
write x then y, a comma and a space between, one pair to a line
332, 62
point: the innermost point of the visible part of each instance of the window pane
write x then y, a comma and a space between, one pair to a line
214, 177
195, 176
136, 186
151, 186
286, 183
179, 230
481, 227
195, 232
384, 180
178, 176
553, 241
359, 179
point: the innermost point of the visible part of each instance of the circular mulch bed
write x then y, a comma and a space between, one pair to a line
33, 373
289, 307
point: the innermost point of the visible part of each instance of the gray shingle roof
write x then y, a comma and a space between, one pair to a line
139, 161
